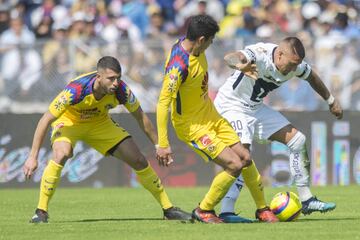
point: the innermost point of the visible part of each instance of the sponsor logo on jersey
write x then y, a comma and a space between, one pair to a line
205, 140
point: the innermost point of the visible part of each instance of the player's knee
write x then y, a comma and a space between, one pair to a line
297, 143
139, 163
235, 166
246, 159
61, 155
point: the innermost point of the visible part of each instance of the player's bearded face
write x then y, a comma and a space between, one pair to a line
109, 80
288, 62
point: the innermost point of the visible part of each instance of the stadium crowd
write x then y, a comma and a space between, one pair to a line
43, 44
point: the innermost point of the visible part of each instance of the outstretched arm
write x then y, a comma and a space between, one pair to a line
163, 152
145, 124
238, 61
318, 85
32, 161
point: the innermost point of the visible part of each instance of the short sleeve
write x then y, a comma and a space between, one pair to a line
60, 103
255, 52
126, 97
303, 70
172, 82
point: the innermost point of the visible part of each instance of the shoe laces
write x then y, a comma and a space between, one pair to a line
207, 214
315, 204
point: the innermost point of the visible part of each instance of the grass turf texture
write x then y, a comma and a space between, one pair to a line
123, 213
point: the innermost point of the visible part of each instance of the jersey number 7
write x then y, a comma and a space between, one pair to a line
261, 89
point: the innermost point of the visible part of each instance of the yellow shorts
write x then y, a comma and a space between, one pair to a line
101, 135
212, 139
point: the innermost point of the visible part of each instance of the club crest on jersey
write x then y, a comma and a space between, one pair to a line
211, 148
172, 83
205, 140
61, 102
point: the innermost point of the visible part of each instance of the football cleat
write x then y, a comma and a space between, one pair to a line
266, 215
315, 205
175, 213
229, 217
40, 216
205, 216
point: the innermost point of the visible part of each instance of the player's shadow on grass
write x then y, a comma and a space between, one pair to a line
116, 219
327, 219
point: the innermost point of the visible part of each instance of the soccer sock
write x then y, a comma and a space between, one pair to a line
49, 182
150, 180
304, 193
219, 187
228, 202
252, 180
300, 165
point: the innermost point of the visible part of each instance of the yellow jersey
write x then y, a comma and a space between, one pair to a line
185, 88
78, 104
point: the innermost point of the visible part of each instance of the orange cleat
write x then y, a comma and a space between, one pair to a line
266, 215
206, 216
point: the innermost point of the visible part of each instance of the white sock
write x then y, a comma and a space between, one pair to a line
304, 193
228, 202
300, 165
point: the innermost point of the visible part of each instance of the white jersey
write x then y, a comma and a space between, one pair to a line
242, 93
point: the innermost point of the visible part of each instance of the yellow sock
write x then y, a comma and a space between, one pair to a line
219, 187
150, 180
253, 181
49, 182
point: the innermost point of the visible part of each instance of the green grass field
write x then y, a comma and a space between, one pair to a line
122, 213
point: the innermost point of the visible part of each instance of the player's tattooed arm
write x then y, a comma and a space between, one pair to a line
238, 61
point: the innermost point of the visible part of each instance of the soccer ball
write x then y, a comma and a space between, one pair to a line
286, 206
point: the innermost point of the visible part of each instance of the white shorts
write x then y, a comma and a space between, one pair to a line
258, 125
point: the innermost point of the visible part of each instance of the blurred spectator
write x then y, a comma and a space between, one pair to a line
233, 19
42, 15
167, 10
75, 33
213, 8
21, 65
340, 74
43, 30
217, 76
57, 63
135, 10
4, 18
158, 27
81, 36
295, 95
355, 92
343, 27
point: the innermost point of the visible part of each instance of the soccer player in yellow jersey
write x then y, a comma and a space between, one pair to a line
197, 122
80, 112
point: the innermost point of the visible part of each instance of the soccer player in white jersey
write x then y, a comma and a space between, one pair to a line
260, 68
